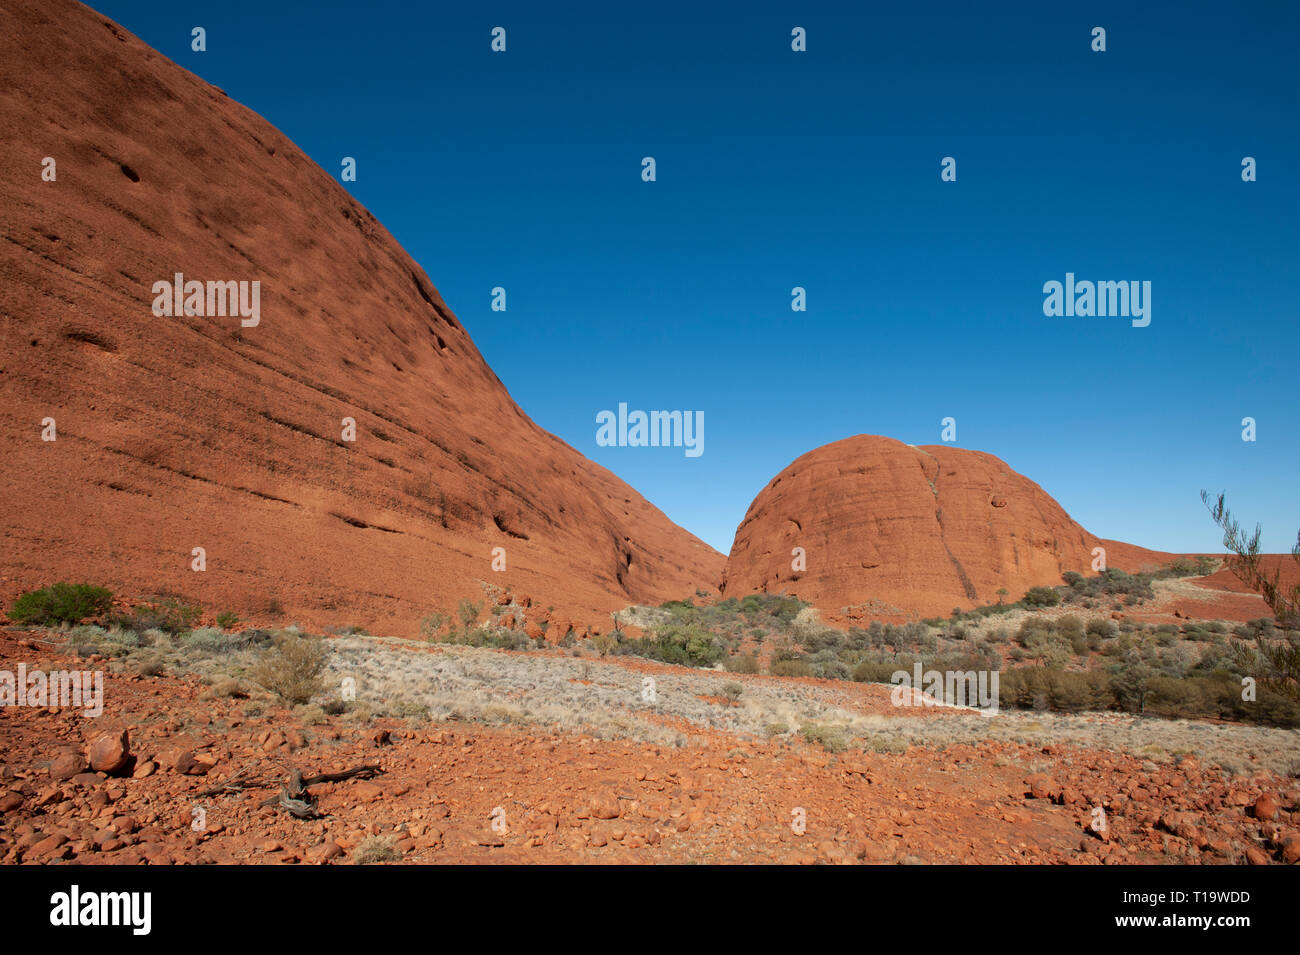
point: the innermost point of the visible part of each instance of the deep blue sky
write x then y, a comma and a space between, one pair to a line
821, 169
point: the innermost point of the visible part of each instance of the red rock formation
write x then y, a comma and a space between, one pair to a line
902, 529
193, 431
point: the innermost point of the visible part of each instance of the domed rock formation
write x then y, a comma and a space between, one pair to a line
205, 430
892, 529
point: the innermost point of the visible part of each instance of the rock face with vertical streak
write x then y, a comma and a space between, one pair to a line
194, 431
896, 529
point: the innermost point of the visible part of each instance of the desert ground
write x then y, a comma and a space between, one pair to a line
555, 755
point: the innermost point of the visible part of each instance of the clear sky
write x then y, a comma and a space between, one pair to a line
821, 169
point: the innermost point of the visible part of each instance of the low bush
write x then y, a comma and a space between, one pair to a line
60, 603
685, 645
796, 667
742, 663
831, 738
210, 640
376, 849
291, 669
1041, 597
431, 627
167, 614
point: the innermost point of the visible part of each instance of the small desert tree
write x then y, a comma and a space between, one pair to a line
468, 612
61, 603
1276, 655
1130, 681
431, 626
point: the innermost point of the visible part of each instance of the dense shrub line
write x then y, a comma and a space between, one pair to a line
1065, 664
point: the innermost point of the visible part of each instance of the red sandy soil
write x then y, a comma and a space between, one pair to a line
569, 798
906, 529
1227, 598
1217, 596
192, 431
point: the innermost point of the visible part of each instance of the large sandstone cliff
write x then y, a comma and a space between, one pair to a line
896, 529
195, 431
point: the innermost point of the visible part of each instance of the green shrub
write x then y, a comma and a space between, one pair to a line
1041, 597
1101, 628
875, 672
686, 645
831, 738
1074, 692
1070, 627
797, 667
1110, 582
468, 612
1188, 567
826, 665
431, 626
1131, 682
60, 603
1034, 631
743, 663
500, 638
291, 669
227, 619
167, 614
210, 640
786, 608
86, 639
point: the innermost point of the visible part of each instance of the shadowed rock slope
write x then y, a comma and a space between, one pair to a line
195, 431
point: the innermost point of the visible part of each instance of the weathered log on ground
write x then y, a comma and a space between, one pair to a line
295, 799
